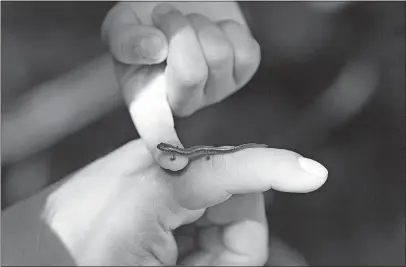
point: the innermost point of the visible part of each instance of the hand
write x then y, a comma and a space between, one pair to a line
123, 208
206, 62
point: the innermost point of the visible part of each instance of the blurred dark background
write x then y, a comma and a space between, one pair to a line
331, 86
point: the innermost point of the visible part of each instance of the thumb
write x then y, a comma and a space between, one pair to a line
134, 44
131, 42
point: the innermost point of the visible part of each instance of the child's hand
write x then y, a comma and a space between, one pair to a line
206, 61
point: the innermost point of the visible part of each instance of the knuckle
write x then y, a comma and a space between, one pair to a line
194, 16
119, 43
249, 54
192, 76
119, 15
256, 49
229, 24
247, 49
199, 21
217, 51
183, 110
184, 107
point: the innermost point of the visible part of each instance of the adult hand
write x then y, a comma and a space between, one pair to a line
123, 208
206, 61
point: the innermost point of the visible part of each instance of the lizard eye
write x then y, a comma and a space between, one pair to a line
160, 146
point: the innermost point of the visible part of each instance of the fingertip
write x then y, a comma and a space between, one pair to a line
137, 44
152, 48
261, 169
314, 168
152, 116
305, 176
167, 163
166, 160
129, 40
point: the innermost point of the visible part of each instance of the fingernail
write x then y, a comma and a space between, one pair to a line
313, 167
151, 47
163, 9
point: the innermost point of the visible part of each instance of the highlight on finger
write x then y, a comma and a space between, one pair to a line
210, 182
145, 94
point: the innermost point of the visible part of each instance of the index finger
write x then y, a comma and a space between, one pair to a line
145, 94
136, 47
209, 182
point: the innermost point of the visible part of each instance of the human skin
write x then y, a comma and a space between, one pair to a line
207, 60
123, 208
